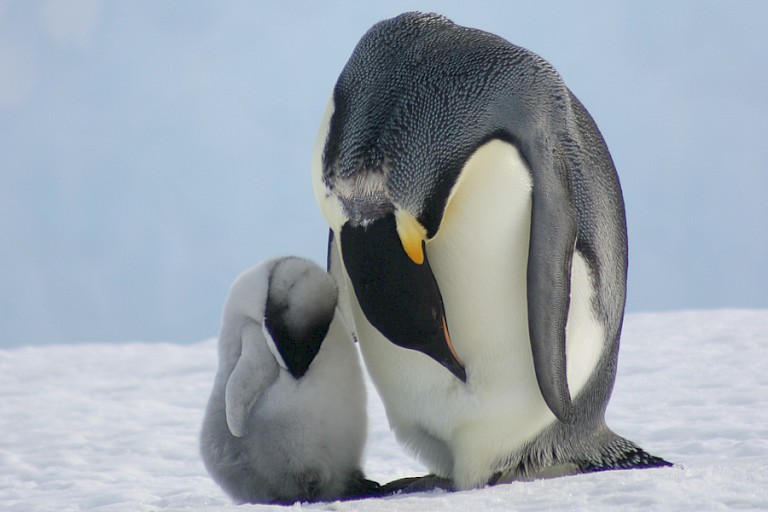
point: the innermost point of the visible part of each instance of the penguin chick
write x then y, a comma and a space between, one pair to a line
286, 419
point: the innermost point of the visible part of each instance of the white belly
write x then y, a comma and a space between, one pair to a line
479, 258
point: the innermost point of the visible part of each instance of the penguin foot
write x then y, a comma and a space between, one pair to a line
415, 484
624, 455
359, 488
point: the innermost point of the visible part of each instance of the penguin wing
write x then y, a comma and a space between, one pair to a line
552, 242
254, 371
336, 269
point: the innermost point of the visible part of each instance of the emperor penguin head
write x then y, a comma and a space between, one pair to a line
381, 235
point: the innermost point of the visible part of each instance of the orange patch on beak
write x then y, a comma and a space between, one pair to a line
450, 343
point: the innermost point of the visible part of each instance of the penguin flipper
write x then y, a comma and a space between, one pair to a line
552, 242
254, 371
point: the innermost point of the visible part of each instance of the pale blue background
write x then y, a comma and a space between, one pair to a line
150, 151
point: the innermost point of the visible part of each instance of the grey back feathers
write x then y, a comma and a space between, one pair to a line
286, 419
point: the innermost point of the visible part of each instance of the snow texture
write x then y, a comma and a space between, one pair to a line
115, 427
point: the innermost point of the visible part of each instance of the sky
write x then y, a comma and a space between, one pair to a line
151, 151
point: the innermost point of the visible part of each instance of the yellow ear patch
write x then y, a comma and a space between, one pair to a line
411, 234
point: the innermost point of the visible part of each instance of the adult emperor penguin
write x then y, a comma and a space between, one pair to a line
286, 419
479, 240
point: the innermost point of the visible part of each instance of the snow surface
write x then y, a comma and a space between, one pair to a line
114, 427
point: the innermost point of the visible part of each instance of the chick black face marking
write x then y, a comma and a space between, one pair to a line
297, 316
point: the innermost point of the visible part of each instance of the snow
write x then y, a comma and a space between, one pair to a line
109, 427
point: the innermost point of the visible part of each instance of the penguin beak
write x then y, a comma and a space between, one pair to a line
412, 237
395, 287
